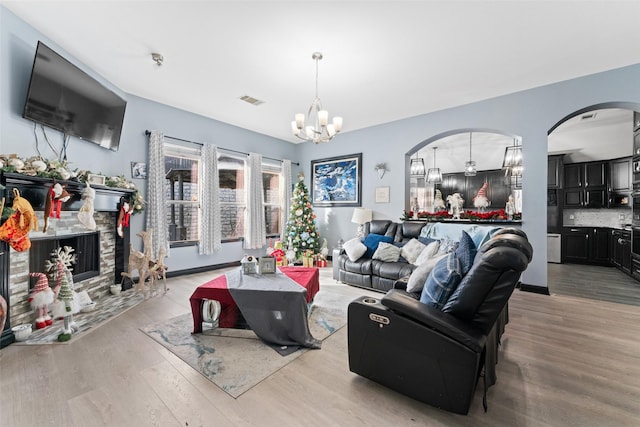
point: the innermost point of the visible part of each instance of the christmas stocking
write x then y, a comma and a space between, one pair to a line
85, 215
12, 233
16, 228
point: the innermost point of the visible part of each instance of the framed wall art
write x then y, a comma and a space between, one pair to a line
337, 181
382, 194
138, 170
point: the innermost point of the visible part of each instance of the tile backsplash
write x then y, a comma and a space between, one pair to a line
613, 218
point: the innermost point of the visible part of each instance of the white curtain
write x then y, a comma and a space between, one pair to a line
255, 233
210, 227
285, 195
156, 207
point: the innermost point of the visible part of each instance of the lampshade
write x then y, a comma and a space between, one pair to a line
361, 215
434, 175
417, 168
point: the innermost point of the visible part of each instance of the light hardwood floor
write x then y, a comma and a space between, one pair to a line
565, 361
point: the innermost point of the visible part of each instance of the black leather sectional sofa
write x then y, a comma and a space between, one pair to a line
381, 275
372, 273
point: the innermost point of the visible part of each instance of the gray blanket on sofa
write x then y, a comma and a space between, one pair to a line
274, 306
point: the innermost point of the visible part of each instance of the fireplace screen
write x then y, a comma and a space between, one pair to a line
86, 248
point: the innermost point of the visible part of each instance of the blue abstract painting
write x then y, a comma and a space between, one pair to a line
336, 181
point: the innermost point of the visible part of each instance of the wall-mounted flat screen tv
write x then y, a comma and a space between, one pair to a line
65, 98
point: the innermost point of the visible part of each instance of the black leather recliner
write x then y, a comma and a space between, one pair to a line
436, 356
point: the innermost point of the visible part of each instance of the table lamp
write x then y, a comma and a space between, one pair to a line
360, 216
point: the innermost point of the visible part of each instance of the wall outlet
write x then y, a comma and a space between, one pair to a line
621, 216
572, 216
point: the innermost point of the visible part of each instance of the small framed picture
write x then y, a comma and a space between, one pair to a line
96, 179
138, 170
267, 265
382, 194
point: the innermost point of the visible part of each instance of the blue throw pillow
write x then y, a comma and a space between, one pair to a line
442, 281
466, 252
371, 242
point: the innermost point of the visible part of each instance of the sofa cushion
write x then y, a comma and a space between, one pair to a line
411, 250
466, 252
387, 252
419, 276
429, 252
391, 270
354, 249
371, 242
442, 281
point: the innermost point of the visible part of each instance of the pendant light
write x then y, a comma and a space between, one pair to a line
512, 162
434, 175
417, 169
470, 166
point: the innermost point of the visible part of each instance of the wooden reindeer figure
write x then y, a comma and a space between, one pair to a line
140, 261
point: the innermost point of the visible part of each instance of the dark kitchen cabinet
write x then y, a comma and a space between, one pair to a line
555, 171
620, 249
585, 245
620, 175
585, 185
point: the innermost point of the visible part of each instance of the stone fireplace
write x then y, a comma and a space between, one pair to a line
98, 272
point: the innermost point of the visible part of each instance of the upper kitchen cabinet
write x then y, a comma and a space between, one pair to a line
585, 184
555, 171
620, 175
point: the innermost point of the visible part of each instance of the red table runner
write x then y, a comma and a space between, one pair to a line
216, 289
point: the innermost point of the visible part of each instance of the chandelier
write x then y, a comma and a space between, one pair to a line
319, 130
434, 175
470, 166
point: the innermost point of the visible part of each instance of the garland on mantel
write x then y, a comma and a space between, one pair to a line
55, 169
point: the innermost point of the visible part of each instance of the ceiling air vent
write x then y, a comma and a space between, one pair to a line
251, 100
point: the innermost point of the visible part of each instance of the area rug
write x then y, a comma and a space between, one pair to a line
236, 359
107, 308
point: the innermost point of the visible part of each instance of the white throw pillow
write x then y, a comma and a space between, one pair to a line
412, 250
354, 249
419, 275
429, 252
387, 252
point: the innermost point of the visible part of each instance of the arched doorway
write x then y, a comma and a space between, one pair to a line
589, 208
451, 153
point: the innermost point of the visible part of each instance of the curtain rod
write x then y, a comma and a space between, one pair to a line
148, 132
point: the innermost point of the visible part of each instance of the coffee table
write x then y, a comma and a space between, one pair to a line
216, 289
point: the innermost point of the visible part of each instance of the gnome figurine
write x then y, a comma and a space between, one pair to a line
41, 297
438, 202
480, 201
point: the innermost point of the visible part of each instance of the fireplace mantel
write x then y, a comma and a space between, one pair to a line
34, 189
114, 255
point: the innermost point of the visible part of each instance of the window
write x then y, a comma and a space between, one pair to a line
182, 189
232, 197
232, 200
272, 200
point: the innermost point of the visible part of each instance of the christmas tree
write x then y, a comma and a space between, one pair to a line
301, 234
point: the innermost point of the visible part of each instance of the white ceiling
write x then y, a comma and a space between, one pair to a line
383, 60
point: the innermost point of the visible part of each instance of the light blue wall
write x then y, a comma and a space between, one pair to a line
18, 42
528, 114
